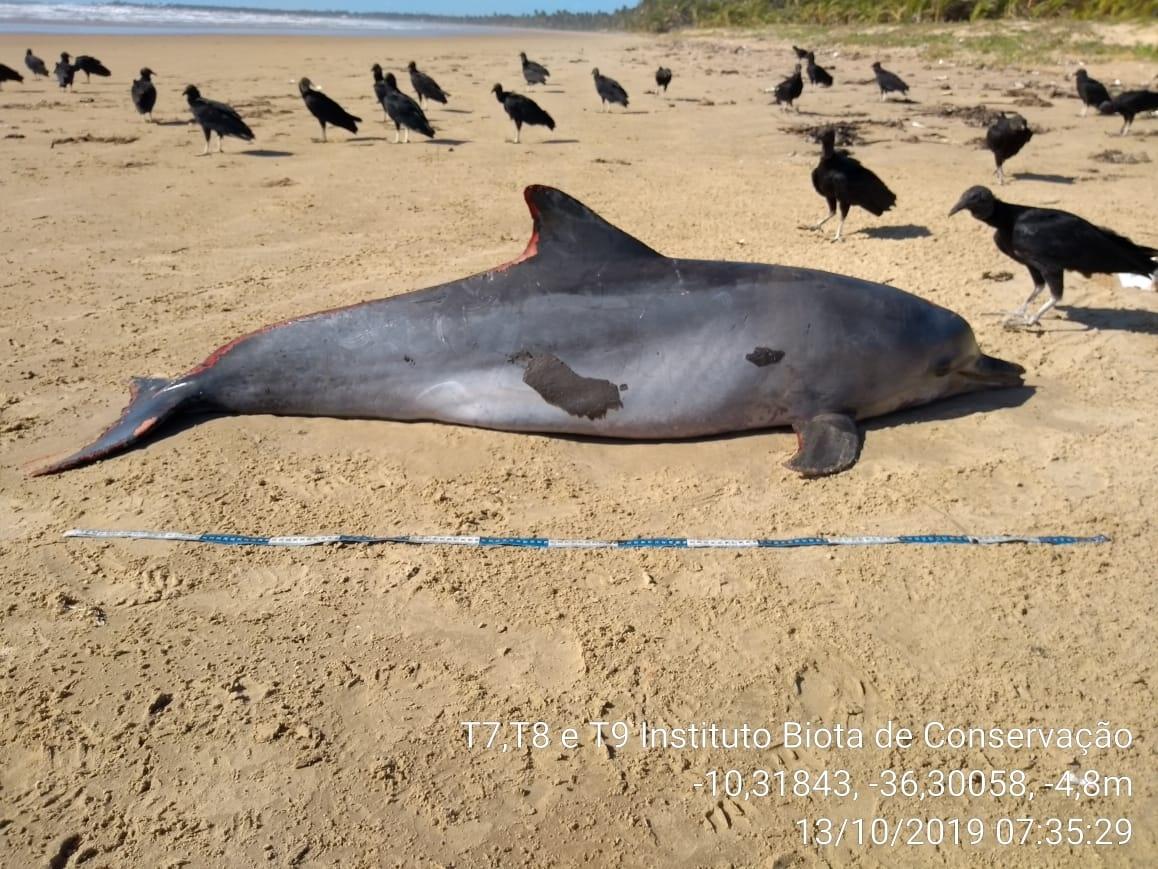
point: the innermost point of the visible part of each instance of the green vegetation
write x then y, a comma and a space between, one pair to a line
622, 19
1008, 42
661, 15
934, 27
796, 15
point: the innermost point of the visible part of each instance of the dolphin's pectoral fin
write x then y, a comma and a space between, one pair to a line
566, 228
828, 444
152, 400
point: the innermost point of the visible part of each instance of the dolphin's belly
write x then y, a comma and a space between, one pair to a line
652, 398
686, 382
638, 403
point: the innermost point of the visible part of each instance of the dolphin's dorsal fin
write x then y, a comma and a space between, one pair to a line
566, 227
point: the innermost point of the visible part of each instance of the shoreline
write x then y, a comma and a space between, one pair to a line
110, 19
113, 31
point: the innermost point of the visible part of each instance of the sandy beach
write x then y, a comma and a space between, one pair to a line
170, 704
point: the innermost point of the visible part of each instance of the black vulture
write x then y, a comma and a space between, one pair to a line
663, 78
843, 181
533, 73
7, 73
610, 91
1090, 91
426, 87
818, 75
64, 71
144, 93
801, 53
1006, 136
1049, 243
789, 90
35, 64
380, 87
404, 112
522, 110
215, 117
91, 66
326, 110
889, 82
1130, 103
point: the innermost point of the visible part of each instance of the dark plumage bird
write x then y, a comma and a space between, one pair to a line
404, 112
1090, 91
889, 82
789, 90
522, 110
426, 87
533, 73
1005, 137
326, 110
1130, 103
91, 66
380, 87
817, 75
35, 64
144, 93
801, 53
843, 181
7, 73
64, 71
215, 117
610, 91
663, 78
1049, 243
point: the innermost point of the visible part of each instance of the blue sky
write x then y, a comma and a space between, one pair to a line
433, 7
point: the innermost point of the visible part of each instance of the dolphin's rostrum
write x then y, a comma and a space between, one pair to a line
591, 332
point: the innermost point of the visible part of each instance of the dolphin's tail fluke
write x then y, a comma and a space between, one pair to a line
152, 401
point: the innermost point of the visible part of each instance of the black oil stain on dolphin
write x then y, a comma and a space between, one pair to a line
559, 385
762, 356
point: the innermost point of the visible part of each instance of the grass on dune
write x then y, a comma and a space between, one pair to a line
1009, 42
668, 14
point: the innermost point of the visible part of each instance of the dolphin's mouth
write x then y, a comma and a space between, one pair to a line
990, 372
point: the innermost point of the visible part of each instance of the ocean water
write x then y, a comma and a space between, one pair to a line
121, 18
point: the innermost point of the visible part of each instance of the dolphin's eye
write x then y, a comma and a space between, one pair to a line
943, 367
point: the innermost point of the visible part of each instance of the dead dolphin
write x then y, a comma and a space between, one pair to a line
591, 332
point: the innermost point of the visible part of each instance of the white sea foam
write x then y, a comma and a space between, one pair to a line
122, 18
